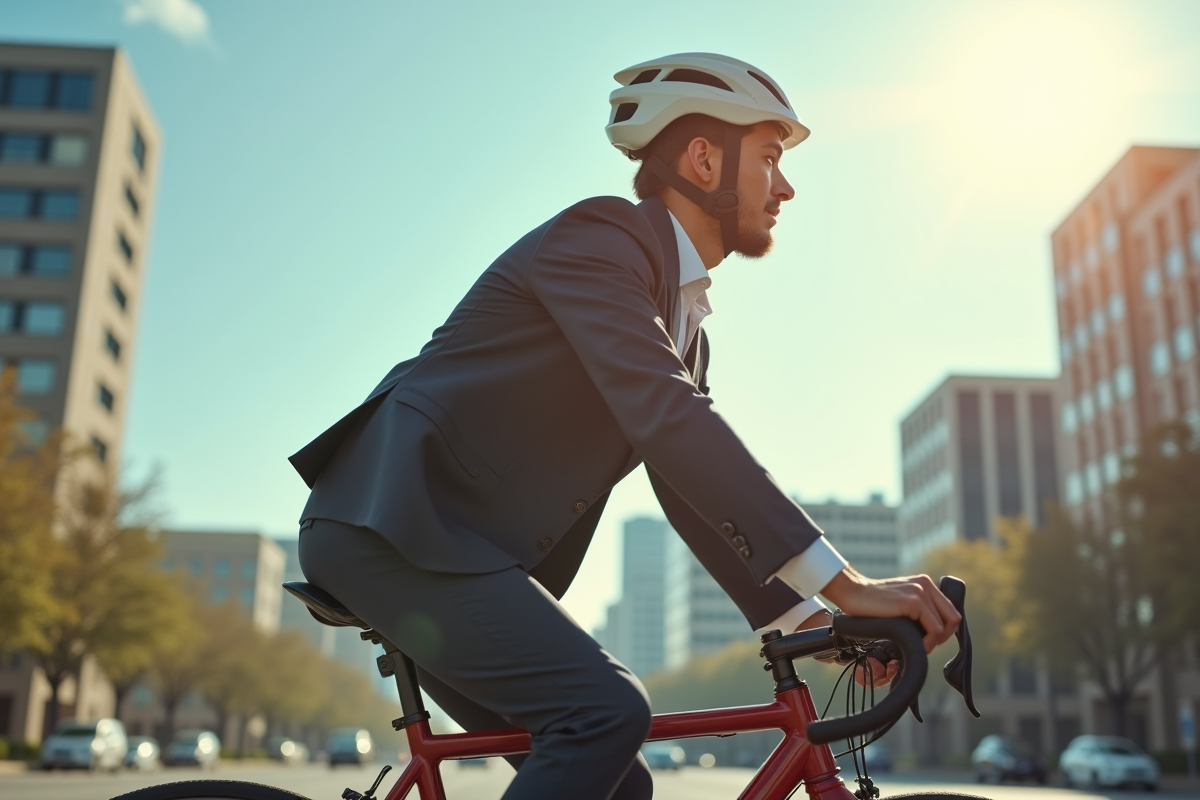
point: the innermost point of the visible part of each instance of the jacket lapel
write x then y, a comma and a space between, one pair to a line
660, 221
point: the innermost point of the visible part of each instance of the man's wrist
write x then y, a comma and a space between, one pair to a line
842, 586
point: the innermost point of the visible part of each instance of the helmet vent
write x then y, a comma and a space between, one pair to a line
646, 76
770, 88
696, 76
624, 112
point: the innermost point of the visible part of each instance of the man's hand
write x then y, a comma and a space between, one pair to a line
879, 674
916, 597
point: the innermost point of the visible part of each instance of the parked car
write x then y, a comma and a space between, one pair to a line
195, 748
999, 758
143, 754
878, 759
76, 744
350, 746
289, 751
473, 762
663, 756
1107, 761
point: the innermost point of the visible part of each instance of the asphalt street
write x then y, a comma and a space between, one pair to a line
487, 783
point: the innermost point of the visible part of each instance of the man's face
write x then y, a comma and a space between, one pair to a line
762, 187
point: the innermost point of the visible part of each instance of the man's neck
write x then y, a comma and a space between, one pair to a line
703, 230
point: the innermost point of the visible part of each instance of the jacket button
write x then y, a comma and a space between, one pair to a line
580, 506
738, 541
728, 529
744, 551
546, 543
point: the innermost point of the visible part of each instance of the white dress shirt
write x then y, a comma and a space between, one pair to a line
812, 570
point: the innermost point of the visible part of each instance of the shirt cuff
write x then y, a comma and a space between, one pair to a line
794, 616
811, 571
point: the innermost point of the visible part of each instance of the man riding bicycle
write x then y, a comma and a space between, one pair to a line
452, 508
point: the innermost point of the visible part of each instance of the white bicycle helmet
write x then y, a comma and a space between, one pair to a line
655, 93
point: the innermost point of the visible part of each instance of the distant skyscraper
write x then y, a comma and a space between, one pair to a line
699, 616
866, 534
243, 567
1127, 282
636, 639
975, 449
79, 152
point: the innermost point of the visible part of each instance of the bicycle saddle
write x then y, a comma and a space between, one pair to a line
324, 607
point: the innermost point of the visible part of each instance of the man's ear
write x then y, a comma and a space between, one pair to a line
701, 161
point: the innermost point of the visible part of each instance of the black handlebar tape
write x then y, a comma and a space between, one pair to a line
914, 666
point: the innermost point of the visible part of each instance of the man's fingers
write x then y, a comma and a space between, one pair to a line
931, 622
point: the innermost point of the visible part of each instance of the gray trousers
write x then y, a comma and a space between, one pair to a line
495, 651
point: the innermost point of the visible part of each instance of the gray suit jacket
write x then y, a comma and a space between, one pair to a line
552, 379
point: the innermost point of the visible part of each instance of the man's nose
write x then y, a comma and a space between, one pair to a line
782, 189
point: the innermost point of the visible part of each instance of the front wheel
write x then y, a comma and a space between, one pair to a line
935, 796
210, 790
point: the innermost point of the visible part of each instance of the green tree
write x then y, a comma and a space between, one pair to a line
1159, 502
238, 664
1089, 604
26, 511
110, 594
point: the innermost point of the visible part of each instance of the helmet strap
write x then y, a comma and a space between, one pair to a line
722, 203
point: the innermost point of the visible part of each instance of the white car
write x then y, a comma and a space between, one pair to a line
193, 748
1107, 761
76, 744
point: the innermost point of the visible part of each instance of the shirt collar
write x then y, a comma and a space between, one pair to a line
691, 267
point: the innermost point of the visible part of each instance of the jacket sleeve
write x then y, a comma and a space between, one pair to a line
594, 273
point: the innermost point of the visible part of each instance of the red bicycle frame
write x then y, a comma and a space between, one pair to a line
795, 759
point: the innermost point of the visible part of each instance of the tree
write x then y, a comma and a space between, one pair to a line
181, 661
109, 593
237, 664
1089, 603
1159, 506
26, 511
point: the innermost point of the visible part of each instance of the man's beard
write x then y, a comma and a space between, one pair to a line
753, 242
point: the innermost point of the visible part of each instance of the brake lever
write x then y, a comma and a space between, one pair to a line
957, 671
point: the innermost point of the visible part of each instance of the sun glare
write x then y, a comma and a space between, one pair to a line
1023, 90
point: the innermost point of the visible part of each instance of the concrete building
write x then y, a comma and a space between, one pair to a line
1127, 284
866, 534
634, 631
975, 449
699, 616
79, 155
242, 568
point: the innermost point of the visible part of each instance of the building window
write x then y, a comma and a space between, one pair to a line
248, 568
118, 296
112, 345
1110, 238
1091, 479
1174, 262
1104, 397
67, 150
220, 594
1086, 409
1008, 466
1151, 282
12, 260
138, 149
43, 319
16, 203
970, 454
22, 148
195, 566
35, 431
32, 88
247, 596
1112, 467
59, 204
125, 247
1185, 345
1098, 322
105, 397
74, 91
1065, 348
1068, 418
1160, 358
100, 448
1073, 489
9, 311
221, 568
132, 201
1123, 382
1196, 244
50, 261
1116, 308
35, 376
28, 89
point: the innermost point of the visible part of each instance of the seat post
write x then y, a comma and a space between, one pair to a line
395, 664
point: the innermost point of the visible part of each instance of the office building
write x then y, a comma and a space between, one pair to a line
1127, 285
79, 152
866, 534
975, 449
634, 632
699, 616
79, 155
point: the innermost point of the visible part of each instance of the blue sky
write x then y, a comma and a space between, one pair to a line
336, 175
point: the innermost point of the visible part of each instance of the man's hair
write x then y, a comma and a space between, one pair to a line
670, 144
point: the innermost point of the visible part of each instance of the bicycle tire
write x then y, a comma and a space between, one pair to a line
935, 796
210, 790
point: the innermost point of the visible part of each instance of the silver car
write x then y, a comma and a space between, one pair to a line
76, 744
1107, 761
350, 746
194, 747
